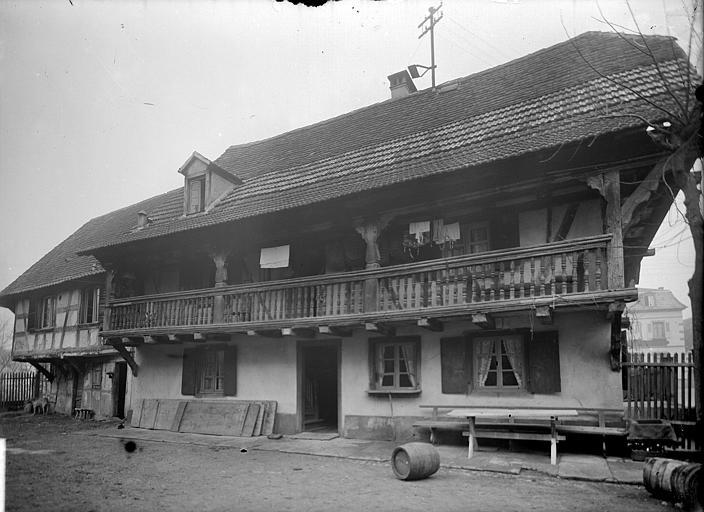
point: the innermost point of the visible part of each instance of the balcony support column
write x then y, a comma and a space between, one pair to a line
220, 260
370, 231
609, 186
109, 279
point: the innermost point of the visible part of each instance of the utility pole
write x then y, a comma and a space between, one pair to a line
432, 20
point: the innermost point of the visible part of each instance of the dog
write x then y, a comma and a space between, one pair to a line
40, 405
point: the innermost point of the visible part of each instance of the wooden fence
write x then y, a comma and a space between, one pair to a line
661, 386
18, 387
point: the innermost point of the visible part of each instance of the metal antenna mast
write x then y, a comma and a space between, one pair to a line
432, 21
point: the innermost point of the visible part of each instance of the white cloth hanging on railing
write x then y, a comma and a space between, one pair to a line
274, 257
418, 229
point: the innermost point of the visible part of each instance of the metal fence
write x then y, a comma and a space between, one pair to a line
661, 386
18, 387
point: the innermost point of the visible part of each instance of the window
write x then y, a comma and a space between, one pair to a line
90, 300
209, 370
478, 239
212, 372
508, 362
658, 330
394, 364
47, 312
499, 362
196, 194
650, 300
96, 376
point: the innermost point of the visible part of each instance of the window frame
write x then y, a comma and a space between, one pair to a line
44, 302
376, 365
194, 364
658, 330
189, 204
96, 376
218, 377
498, 339
470, 245
85, 307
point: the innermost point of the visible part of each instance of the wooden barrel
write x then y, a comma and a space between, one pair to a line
687, 485
413, 461
657, 476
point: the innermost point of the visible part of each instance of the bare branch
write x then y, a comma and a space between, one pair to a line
657, 66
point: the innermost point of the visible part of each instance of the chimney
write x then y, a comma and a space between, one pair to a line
142, 219
401, 84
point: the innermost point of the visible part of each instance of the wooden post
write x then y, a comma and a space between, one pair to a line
370, 231
609, 186
220, 260
109, 278
120, 347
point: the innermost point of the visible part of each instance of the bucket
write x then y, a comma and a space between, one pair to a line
686, 482
657, 475
413, 461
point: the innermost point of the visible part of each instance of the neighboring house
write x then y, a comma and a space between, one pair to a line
656, 322
463, 245
59, 305
688, 341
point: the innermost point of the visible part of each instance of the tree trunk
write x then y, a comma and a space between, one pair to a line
688, 184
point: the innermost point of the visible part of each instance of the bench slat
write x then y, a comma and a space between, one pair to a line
522, 436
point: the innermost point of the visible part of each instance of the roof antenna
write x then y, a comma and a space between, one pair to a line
432, 21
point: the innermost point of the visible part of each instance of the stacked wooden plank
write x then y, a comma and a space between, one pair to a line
244, 418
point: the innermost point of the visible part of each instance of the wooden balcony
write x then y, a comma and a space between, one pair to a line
570, 272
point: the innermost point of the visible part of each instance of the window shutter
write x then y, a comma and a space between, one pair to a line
188, 375
544, 363
456, 365
230, 370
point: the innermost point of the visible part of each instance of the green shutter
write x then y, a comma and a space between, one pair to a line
188, 376
544, 363
456, 365
230, 385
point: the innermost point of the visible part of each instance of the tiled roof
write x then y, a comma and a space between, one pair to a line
62, 263
537, 102
664, 299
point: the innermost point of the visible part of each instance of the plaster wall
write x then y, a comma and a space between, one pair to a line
586, 376
266, 370
533, 224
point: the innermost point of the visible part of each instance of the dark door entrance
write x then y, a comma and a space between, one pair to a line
119, 383
319, 387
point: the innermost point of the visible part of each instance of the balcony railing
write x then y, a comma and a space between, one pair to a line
556, 269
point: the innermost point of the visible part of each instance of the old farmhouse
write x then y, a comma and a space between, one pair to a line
471, 244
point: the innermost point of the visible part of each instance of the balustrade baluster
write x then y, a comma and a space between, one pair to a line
599, 258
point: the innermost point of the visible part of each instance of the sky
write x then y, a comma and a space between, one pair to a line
102, 102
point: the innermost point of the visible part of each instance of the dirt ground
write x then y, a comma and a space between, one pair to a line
52, 466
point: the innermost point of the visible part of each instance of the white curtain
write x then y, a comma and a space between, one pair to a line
486, 349
408, 353
379, 365
515, 357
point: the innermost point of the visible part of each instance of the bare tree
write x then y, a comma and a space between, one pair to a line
7, 320
674, 123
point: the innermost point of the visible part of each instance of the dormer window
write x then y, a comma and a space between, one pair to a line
196, 194
205, 183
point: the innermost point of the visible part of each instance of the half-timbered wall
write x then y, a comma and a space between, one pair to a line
68, 333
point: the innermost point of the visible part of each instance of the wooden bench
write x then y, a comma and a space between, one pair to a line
549, 429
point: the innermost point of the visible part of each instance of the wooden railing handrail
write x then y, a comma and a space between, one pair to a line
359, 275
